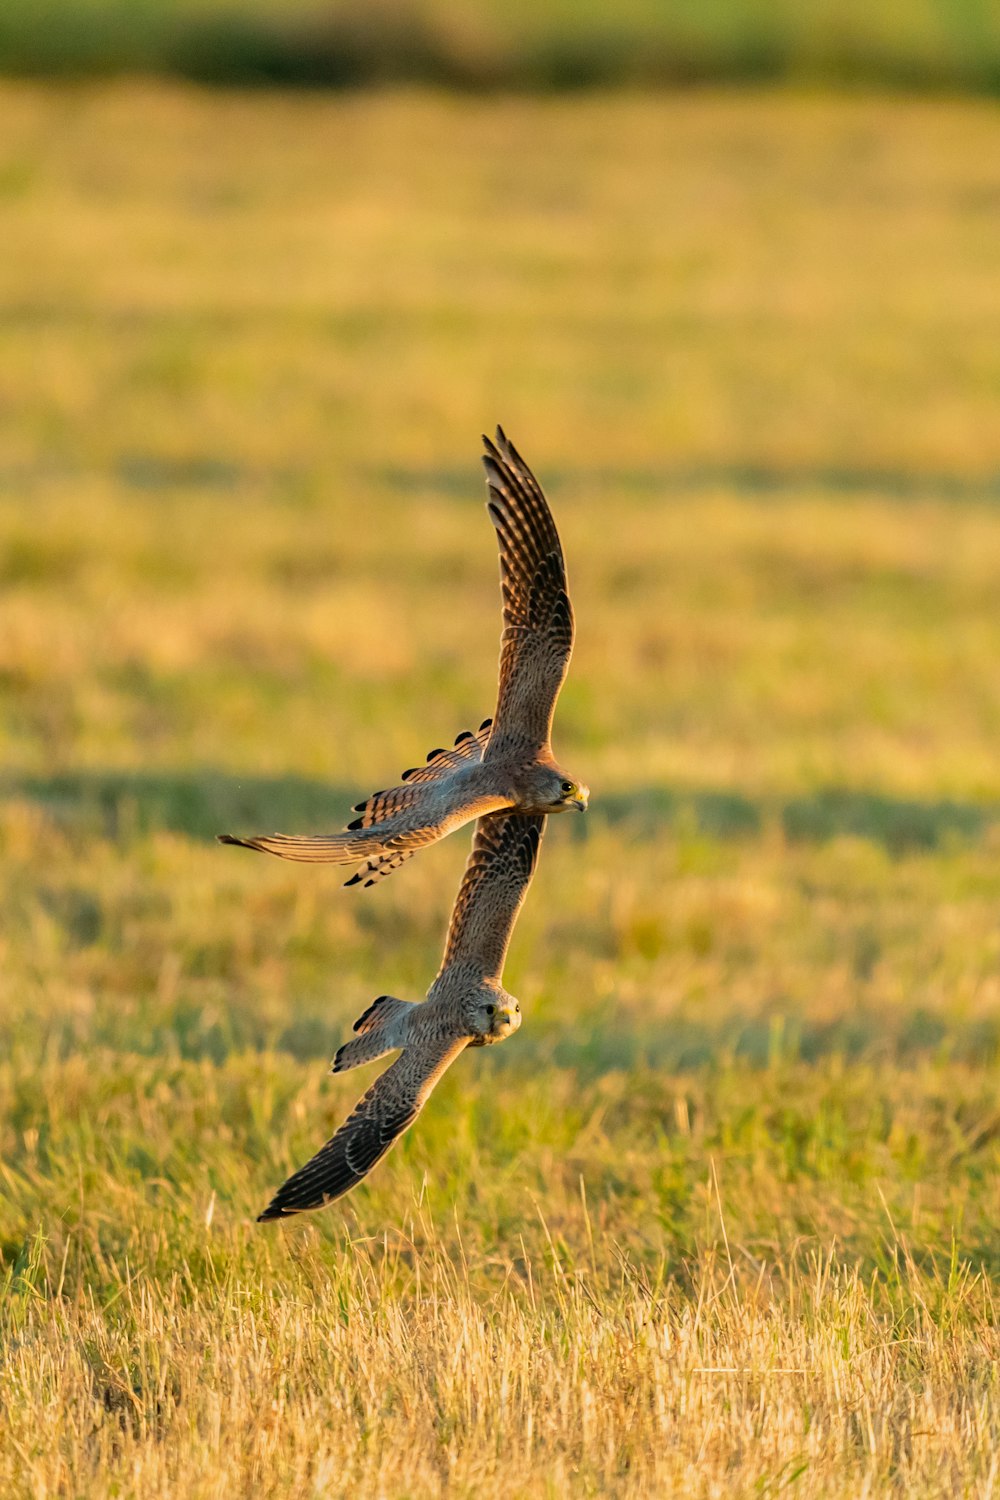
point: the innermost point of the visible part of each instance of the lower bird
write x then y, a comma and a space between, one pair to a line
466, 1006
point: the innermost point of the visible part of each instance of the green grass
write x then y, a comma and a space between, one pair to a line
722, 1217
913, 44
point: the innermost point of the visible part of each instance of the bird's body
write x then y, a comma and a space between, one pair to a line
465, 1006
506, 777
508, 764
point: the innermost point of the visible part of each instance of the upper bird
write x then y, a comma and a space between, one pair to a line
466, 1006
508, 763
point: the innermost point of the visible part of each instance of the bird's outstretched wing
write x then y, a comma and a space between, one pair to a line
496, 879
430, 802
537, 639
389, 1107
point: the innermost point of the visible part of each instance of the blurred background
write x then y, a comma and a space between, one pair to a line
950, 44
730, 277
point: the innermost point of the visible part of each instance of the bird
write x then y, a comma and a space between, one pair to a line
508, 763
466, 1006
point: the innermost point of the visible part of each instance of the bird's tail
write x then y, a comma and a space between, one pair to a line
323, 849
393, 823
381, 1028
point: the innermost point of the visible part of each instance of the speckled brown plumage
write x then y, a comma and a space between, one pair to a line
537, 639
508, 763
465, 1006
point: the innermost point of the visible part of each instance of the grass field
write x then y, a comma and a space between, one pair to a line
490, 44
723, 1218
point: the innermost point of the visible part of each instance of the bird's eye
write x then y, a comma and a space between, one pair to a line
491, 1010
568, 786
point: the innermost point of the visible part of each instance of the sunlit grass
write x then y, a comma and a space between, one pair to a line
722, 1218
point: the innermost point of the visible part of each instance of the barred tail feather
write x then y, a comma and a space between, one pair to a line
329, 849
379, 867
381, 1028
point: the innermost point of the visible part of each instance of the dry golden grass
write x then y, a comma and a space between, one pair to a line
388, 1368
722, 1219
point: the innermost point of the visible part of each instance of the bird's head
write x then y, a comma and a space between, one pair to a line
573, 794
551, 790
495, 1016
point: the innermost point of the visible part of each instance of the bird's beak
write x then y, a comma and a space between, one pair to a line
505, 1022
581, 799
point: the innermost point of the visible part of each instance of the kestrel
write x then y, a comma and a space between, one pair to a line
466, 1006
508, 763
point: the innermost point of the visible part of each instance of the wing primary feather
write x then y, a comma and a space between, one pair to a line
497, 876
538, 618
377, 1120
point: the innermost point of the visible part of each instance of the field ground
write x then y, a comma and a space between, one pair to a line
723, 1218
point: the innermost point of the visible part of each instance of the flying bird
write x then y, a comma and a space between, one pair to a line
466, 1006
508, 762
